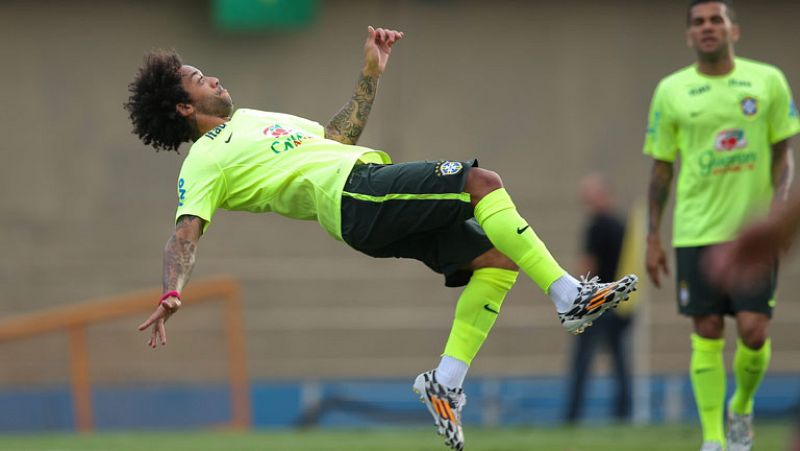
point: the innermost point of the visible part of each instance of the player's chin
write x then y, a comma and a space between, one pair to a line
710, 49
228, 102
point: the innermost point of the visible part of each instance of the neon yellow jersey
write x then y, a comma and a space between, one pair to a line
261, 162
723, 128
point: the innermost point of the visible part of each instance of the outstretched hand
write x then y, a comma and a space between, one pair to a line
164, 310
377, 49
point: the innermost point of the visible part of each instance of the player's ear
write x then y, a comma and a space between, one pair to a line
689, 42
735, 30
184, 109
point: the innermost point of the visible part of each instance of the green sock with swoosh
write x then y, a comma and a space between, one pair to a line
749, 366
477, 310
514, 237
707, 372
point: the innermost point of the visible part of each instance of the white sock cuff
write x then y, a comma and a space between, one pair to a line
451, 372
563, 292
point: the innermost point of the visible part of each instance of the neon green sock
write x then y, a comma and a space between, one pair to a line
512, 236
707, 370
477, 311
749, 366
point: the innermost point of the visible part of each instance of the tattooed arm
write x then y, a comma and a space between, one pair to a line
782, 169
179, 256
179, 253
660, 182
346, 125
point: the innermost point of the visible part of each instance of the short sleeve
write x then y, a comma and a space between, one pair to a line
201, 188
783, 118
660, 141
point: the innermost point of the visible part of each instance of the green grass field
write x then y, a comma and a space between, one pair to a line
772, 436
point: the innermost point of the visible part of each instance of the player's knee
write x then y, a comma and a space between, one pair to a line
490, 179
754, 338
710, 326
481, 182
493, 259
752, 328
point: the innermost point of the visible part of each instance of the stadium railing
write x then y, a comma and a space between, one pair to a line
74, 320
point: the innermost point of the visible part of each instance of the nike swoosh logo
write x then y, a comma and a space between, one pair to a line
703, 370
229, 138
486, 306
695, 113
519, 231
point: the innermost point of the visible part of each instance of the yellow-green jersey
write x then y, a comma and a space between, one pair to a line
723, 128
261, 162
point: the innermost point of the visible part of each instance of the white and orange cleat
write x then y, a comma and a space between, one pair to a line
593, 299
445, 405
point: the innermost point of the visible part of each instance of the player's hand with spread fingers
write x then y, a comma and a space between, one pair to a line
168, 305
377, 49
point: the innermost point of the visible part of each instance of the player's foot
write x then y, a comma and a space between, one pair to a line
593, 299
445, 405
740, 431
712, 446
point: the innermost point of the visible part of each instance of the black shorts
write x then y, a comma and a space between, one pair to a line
696, 296
414, 210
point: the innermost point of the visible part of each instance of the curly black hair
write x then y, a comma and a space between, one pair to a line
155, 91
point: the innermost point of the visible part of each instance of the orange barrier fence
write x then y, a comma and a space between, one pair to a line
74, 319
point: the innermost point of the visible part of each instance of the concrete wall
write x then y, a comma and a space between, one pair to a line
542, 92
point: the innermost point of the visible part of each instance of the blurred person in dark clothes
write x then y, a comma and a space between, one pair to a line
602, 247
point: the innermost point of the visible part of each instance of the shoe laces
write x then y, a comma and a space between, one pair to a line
585, 280
458, 399
587, 285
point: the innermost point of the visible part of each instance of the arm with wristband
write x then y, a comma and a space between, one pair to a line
179, 257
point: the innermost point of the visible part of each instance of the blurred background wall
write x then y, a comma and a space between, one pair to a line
541, 92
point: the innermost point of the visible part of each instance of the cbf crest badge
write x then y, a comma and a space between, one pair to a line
448, 167
749, 106
683, 293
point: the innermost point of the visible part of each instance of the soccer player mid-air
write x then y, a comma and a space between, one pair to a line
729, 119
453, 216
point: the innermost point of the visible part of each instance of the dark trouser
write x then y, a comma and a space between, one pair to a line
611, 330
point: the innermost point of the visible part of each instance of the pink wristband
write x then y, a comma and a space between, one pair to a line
169, 294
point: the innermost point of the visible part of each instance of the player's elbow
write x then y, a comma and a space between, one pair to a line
189, 228
333, 134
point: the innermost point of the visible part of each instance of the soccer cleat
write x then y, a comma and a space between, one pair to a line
445, 405
593, 299
712, 446
740, 431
